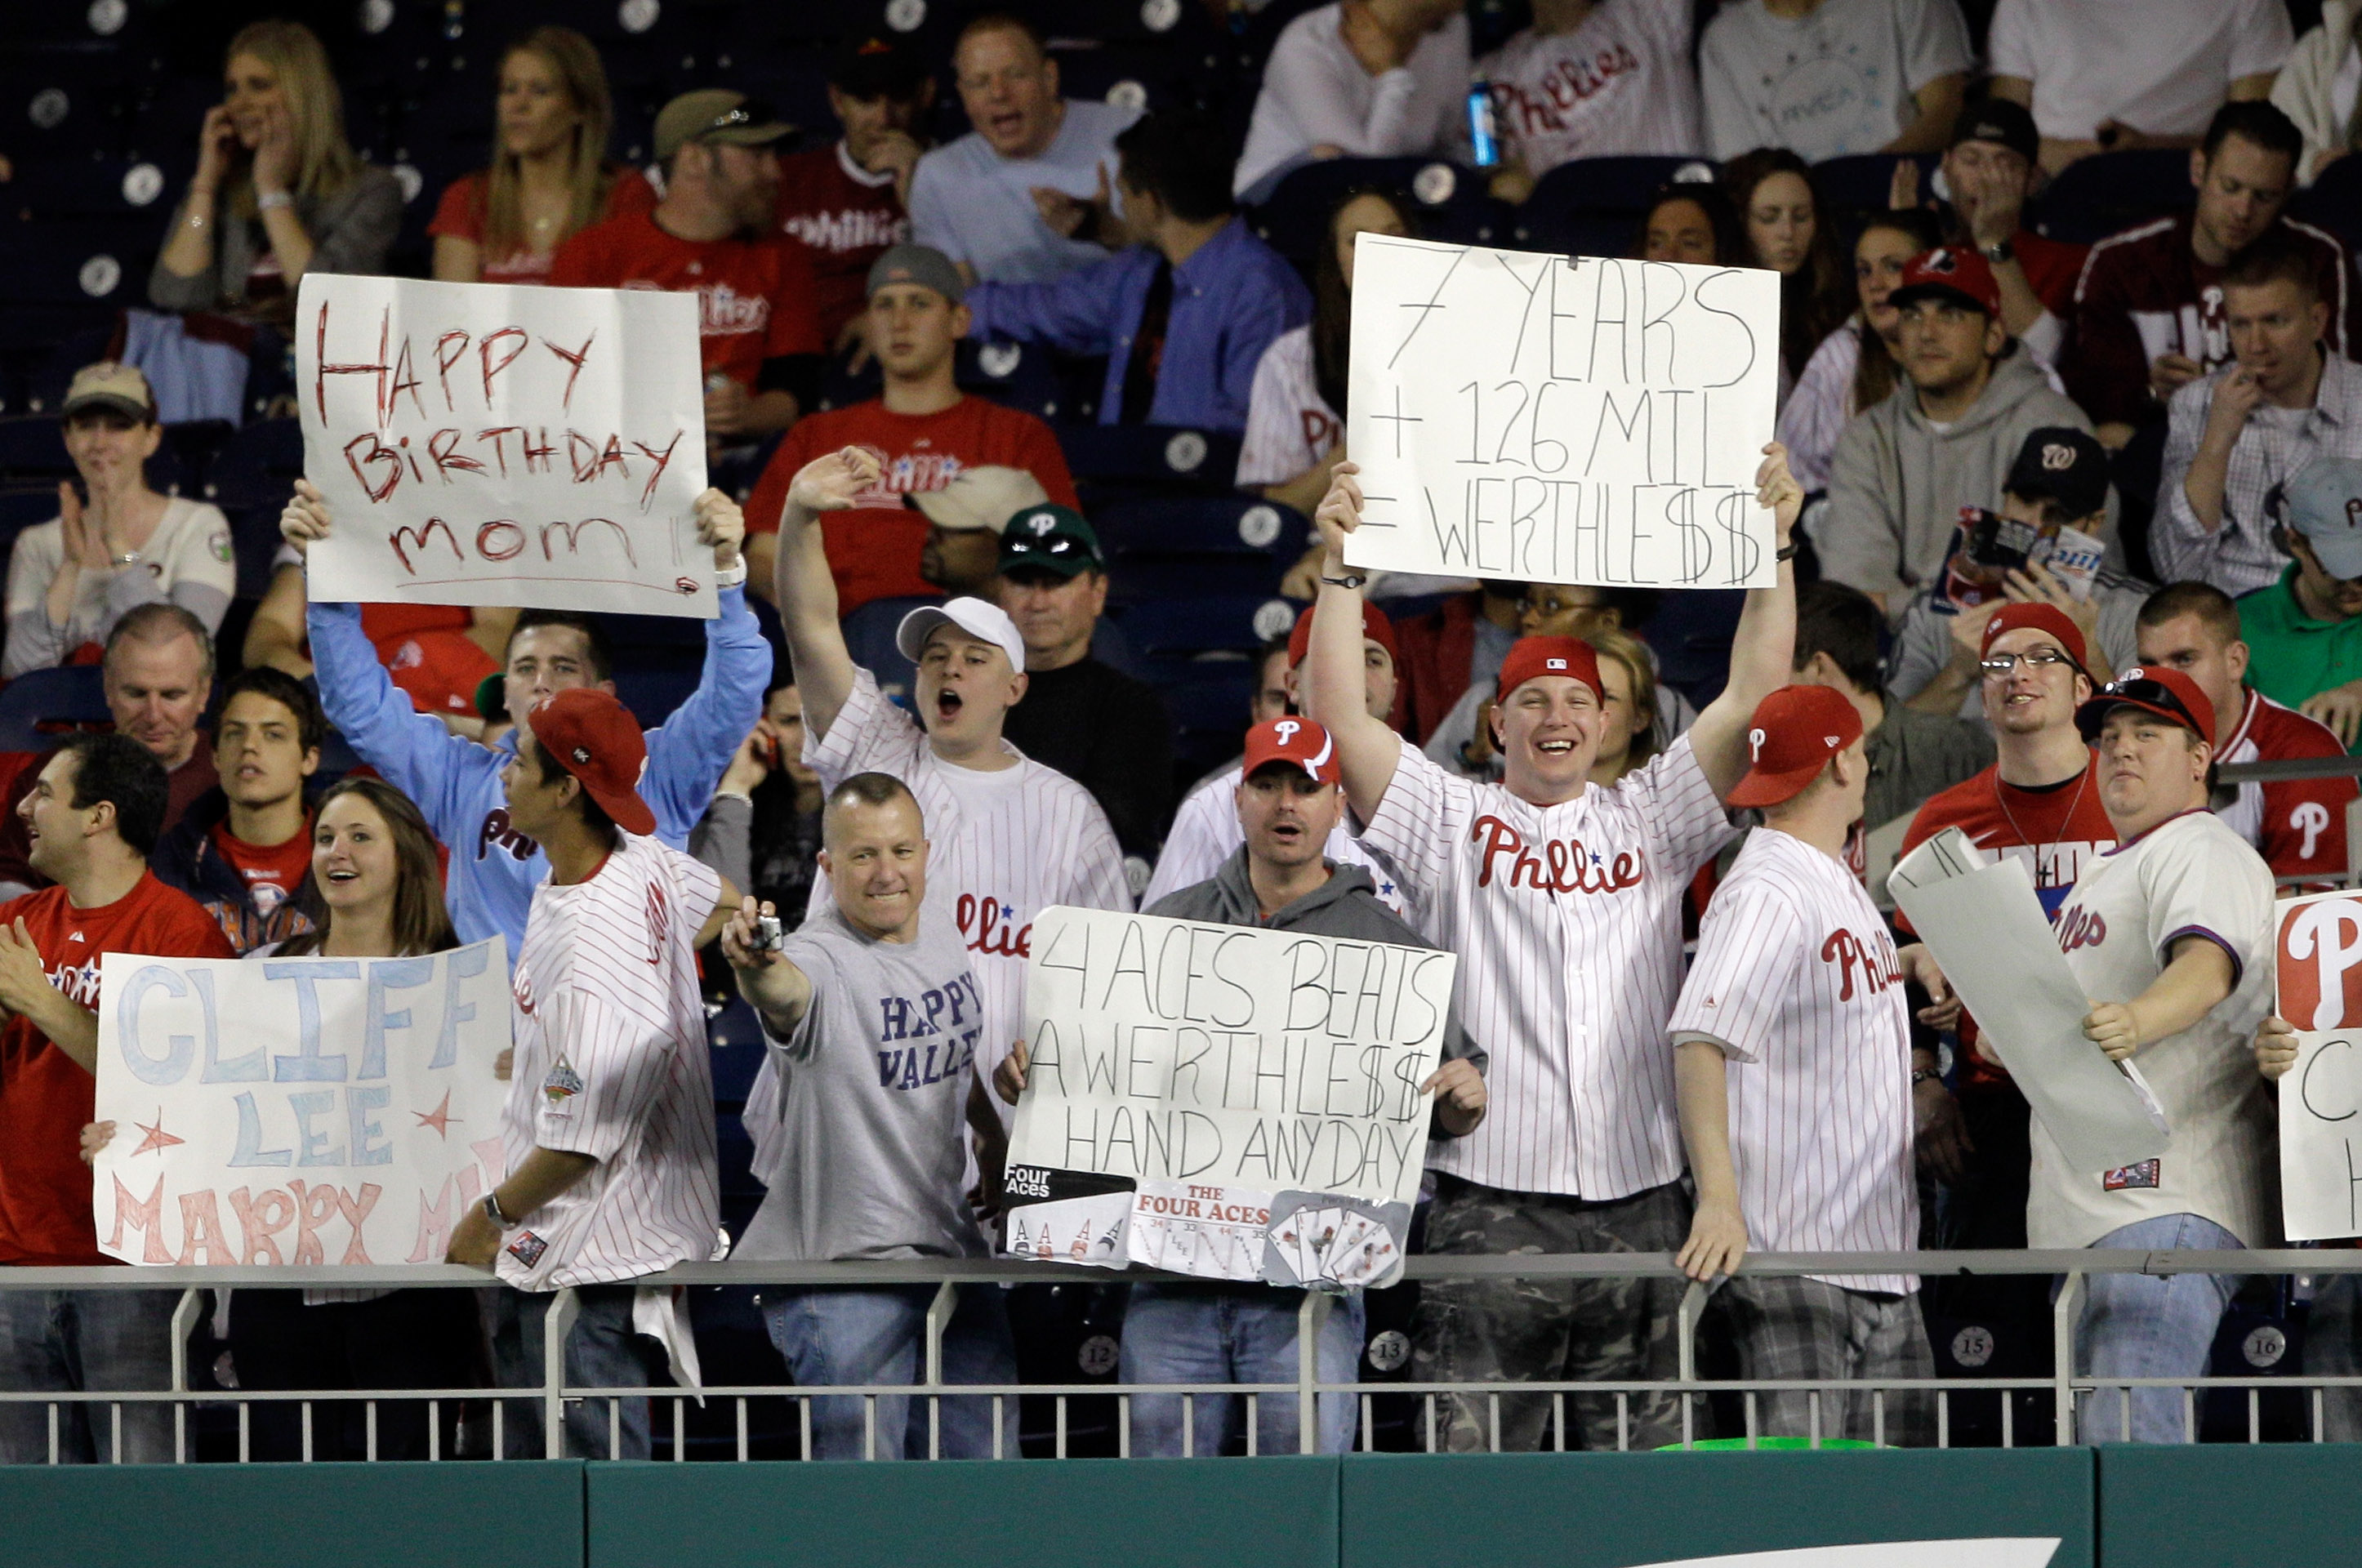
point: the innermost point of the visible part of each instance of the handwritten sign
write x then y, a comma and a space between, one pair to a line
2320, 975
494, 444
297, 1111
1222, 1100
1561, 419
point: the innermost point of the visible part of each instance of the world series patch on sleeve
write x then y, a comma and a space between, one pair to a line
1223, 1101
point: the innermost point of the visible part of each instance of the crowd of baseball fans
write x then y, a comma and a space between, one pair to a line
2063, 530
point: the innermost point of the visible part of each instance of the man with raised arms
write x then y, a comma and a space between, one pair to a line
1564, 900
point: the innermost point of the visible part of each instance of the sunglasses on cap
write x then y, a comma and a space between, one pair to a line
2155, 697
1056, 546
753, 112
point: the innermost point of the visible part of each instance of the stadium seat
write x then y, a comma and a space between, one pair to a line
92, 186
1161, 455
735, 1036
1691, 634
33, 448
1161, 546
869, 638
1209, 709
258, 467
1164, 632
1578, 205
78, 261
2094, 198
1451, 202
2335, 201
1862, 183
40, 703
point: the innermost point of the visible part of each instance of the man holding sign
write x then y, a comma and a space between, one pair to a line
2176, 922
1288, 803
495, 865
1563, 901
92, 816
609, 1129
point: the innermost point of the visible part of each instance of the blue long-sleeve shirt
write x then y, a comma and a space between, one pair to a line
456, 782
1231, 298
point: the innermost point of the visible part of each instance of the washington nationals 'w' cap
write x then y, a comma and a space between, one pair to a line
594, 737
1298, 742
1792, 735
2062, 463
1533, 657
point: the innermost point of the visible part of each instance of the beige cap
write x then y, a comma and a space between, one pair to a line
717, 114
112, 386
983, 497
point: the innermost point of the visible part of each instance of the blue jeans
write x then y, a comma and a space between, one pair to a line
846, 1338
2137, 1325
601, 1351
86, 1341
1186, 1333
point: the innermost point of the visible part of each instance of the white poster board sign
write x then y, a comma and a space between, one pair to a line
1997, 950
297, 1111
2320, 975
1223, 1100
498, 444
1561, 419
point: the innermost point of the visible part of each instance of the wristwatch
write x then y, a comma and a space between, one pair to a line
492, 1210
129, 557
731, 575
1351, 579
1924, 1075
1998, 253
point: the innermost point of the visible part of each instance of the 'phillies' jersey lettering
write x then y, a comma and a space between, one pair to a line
1879, 967
988, 926
1572, 867
496, 829
2079, 927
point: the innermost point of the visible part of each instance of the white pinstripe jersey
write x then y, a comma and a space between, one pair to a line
611, 1062
1568, 922
1797, 980
1007, 845
1205, 833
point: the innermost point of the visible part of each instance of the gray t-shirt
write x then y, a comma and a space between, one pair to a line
868, 1126
1836, 80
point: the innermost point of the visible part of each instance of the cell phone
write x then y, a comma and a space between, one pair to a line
769, 935
1481, 134
1998, 543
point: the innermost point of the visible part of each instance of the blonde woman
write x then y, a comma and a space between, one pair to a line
278, 192
548, 176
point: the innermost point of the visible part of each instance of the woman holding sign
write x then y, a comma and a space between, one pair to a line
376, 867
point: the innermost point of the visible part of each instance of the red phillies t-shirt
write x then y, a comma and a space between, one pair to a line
754, 296
873, 549
272, 872
2051, 267
45, 1097
460, 216
847, 218
2056, 832
427, 651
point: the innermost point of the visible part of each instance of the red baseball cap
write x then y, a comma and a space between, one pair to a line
2041, 618
1948, 270
1377, 627
1292, 740
1794, 733
1531, 657
595, 738
2170, 694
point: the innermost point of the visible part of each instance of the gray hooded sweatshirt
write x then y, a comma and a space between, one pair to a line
1346, 906
1897, 482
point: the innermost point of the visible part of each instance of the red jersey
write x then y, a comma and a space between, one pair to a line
460, 216
46, 1097
754, 296
2051, 267
427, 651
847, 218
2298, 826
2143, 293
271, 872
2056, 831
873, 548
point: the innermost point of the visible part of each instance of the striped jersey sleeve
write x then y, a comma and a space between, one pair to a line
1420, 820
870, 734
1749, 944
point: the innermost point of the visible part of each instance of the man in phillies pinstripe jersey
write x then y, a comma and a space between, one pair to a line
608, 1126
1563, 901
1792, 1055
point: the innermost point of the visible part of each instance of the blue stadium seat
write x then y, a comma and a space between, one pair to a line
1166, 632
2096, 196
1159, 546
92, 186
869, 638
2335, 201
1861, 183
259, 466
1691, 634
735, 1036
1151, 454
34, 448
78, 261
1576, 206
652, 684
1208, 709
1451, 202
40, 704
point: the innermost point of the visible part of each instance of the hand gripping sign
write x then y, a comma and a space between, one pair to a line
297, 1111
1223, 1100
2320, 974
496, 444
1560, 418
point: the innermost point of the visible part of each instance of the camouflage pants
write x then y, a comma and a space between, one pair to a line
1524, 1330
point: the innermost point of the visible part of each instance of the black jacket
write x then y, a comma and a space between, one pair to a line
187, 859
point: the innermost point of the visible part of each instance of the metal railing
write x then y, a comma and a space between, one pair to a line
2065, 1387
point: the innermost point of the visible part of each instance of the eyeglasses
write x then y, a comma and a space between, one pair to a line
1556, 606
1998, 667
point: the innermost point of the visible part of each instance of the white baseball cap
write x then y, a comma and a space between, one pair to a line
977, 619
